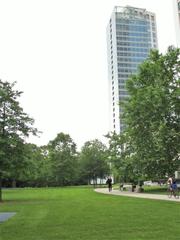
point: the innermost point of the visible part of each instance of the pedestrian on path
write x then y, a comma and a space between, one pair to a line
109, 182
170, 182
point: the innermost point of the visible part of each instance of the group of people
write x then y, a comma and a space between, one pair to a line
172, 185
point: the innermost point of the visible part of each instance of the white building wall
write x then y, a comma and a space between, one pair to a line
176, 9
113, 74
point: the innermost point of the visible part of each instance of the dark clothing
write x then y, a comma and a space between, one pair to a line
174, 186
109, 182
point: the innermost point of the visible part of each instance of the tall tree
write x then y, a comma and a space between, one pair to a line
62, 152
94, 161
15, 124
152, 114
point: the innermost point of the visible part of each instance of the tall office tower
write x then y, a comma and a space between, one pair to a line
131, 33
176, 5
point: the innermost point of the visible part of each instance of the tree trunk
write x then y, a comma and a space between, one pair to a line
14, 183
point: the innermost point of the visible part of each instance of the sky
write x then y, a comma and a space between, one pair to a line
56, 50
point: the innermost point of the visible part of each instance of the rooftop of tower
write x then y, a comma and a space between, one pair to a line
131, 10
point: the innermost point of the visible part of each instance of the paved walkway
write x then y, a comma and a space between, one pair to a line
137, 195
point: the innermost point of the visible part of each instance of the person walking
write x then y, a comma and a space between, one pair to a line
170, 182
109, 182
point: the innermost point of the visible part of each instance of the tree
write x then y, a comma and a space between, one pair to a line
120, 152
17, 160
15, 124
152, 114
37, 167
93, 160
62, 153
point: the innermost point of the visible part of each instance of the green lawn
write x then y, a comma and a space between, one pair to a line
82, 214
156, 189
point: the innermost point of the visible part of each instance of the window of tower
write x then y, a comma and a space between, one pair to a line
152, 17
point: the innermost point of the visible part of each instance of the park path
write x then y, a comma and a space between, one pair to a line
137, 195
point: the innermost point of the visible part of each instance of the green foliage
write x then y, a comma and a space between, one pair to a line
15, 125
37, 166
63, 156
93, 160
152, 116
122, 158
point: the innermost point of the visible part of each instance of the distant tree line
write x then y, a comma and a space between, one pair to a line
56, 164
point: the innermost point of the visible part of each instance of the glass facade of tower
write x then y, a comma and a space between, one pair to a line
131, 33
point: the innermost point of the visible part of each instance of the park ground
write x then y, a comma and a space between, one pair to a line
80, 213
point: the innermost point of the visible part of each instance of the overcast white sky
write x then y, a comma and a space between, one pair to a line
56, 51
